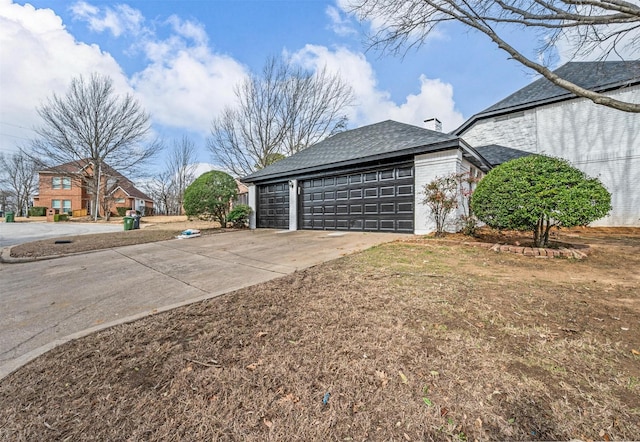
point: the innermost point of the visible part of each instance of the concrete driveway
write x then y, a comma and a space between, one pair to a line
22, 232
46, 303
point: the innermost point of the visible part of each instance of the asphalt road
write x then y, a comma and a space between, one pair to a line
46, 303
12, 234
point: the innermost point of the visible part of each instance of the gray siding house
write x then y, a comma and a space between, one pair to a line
369, 178
542, 118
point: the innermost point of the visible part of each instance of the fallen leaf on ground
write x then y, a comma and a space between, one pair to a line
254, 365
289, 398
382, 378
403, 377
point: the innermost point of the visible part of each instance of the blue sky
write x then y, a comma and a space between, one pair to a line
181, 59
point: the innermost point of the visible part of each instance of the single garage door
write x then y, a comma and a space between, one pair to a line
375, 200
273, 206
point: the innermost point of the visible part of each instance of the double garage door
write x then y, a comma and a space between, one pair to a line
373, 200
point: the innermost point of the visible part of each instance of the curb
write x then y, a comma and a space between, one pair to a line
19, 362
6, 258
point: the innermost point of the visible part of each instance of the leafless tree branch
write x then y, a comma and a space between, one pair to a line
586, 24
277, 114
19, 178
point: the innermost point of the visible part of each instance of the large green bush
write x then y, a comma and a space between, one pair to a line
37, 211
536, 193
209, 196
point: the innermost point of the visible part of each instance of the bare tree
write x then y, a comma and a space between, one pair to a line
92, 124
159, 188
282, 111
167, 187
610, 25
19, 176
181, 167
5, 199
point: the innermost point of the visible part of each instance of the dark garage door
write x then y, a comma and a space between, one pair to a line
377, 200
273, 206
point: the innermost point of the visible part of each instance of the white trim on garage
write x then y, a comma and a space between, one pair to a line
427, 168
293, 204
253, 204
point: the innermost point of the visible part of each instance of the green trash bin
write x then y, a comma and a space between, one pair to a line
128, 223
9, 217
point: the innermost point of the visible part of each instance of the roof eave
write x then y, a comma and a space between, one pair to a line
483, 163
533, 104
443, 145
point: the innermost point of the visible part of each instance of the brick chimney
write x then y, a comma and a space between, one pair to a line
433, 124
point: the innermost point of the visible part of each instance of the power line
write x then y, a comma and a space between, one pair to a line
14, 136
18, 126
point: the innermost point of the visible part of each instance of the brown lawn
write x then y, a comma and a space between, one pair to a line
152, 228
414, 340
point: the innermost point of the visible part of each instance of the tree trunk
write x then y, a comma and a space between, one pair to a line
541, 232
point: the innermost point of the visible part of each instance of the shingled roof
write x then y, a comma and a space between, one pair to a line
78, 167
384, 140
496, 154
599, 76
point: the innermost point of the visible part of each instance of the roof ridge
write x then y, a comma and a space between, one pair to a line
599, 76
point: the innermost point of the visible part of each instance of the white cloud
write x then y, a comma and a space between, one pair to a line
434, 99
39, 57
189, 30
340, 23
186, 84
118, 19
188, 87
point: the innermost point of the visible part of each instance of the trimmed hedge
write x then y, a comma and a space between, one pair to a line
60, 217
240, 215
38, 211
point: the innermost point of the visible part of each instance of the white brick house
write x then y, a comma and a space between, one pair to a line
603, 142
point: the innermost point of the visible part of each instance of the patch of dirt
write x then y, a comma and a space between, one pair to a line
405, 341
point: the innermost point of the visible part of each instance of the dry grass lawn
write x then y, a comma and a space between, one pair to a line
153, 228
415, 340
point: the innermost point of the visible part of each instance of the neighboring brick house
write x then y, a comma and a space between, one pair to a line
64, 188
545, 119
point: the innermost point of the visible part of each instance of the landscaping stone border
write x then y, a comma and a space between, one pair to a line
579, 252
537, 252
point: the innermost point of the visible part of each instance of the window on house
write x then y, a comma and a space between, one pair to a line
66, 206
120, 200
55, 204
58, 182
